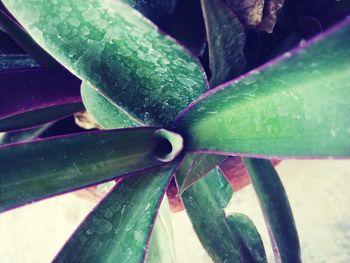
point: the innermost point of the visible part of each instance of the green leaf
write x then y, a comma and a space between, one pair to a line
43, 168
118, 229
111, 46
226, 39
295, 106
23, 135
23, 39
277, 212
204, 202
244, 227
39, 116
202, 164
106, 113
162, 246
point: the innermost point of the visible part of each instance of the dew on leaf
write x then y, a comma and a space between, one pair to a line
101, 226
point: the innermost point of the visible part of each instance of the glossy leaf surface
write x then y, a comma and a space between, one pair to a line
201, 165
19, 34
94, 39
106, 113
118, 229
226, 39
70, 162
296, 106
204, 202
244, 227
276, 209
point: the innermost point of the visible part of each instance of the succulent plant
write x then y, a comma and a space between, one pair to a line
160, 120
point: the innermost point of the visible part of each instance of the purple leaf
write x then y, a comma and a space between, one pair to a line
26, 93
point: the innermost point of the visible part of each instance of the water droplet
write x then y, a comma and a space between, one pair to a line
74, 22
333, 133
108, 213
138, 236
101, 226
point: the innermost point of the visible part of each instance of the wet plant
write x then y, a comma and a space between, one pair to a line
159, 119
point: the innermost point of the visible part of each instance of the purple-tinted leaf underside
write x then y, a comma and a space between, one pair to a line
33, 96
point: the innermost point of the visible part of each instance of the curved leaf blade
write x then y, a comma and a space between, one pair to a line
22, 136
200, 167
204, 202
156, 79
18, 33
54, 166
276, 209
118, 229
244, 227
106, 113
296, 106
38, 116
226, 40
34, 96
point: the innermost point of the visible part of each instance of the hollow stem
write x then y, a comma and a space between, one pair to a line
169, 145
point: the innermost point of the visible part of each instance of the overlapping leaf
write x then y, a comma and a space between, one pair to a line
52, 166
204, 202
226, 39
201, 165
276, 209
36, 95
22, 38
243, 227
119, 228
106, 113
295, 106
95, 39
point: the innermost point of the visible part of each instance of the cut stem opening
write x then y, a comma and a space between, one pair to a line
168, 145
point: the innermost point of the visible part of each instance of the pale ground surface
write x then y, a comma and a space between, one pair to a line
319, 192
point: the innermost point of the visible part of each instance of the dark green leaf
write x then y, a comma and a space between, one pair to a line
226, 39
118, 229
277, 212
204, 202
18, 33
202, 164
43, 168
110, 45
22, 136
244, 227
39, 116
295, 106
